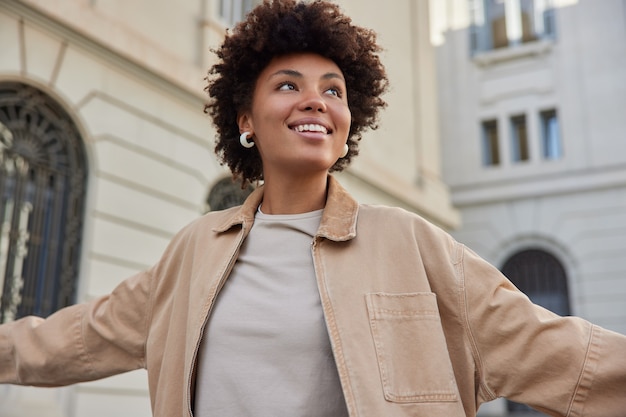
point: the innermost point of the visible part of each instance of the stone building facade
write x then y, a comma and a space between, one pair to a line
532, 100
105, 152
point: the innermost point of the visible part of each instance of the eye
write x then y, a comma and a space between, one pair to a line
286, 86
335, 91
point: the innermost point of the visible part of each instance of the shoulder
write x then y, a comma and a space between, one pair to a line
396, 216
217, 219
396, 223
206, 227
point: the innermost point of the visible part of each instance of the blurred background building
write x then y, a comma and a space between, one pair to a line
105, 153
532, 100
519, 106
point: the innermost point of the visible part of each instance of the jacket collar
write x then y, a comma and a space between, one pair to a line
338, 220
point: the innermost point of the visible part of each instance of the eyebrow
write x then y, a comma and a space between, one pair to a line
298, 74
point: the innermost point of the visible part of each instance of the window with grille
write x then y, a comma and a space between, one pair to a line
227, 193
542, 277
506, 23
42, 191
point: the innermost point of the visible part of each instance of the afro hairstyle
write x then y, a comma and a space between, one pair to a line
280, 27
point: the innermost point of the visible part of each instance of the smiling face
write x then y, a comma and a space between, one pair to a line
299, 117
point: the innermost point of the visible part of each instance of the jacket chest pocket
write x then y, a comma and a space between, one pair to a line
411, 349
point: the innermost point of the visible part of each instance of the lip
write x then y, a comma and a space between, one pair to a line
313, 122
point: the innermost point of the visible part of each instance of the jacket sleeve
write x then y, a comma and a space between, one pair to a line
79, 343
562, 366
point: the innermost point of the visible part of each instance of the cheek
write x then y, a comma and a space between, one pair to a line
346, 119
272, 111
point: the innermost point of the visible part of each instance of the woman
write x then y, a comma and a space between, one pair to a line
302, 302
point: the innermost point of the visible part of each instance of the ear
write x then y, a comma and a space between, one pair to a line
244, 122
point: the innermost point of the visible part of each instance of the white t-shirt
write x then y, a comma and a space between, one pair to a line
266, 350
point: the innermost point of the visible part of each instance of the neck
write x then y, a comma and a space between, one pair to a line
284, 195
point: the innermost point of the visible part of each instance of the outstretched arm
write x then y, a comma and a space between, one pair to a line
563, 366
79, 343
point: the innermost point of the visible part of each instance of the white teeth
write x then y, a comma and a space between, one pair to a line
310, 128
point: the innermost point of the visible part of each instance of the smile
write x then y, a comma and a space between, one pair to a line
310, 128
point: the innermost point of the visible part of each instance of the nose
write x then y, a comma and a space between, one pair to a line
313, 101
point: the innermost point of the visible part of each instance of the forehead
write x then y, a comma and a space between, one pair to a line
306, 64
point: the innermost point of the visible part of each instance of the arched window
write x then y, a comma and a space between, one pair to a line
227, 193
42, 191
541, 276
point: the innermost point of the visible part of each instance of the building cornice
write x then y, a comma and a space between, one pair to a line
114, 44
562, 183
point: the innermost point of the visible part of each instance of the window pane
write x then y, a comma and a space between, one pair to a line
519, 138
505, 23
547, 14
496, 15
529, 21
43, 175
233, 11
550, 135
490, 145
226, 10
479, 35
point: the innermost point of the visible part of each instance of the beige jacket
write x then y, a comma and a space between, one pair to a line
419, 325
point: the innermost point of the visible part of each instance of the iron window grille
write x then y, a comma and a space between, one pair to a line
42, 191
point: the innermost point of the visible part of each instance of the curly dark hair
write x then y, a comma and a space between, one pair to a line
280, 27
